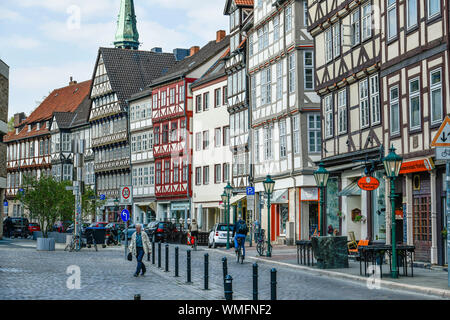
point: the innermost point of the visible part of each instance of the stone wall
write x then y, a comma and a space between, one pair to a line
4, 96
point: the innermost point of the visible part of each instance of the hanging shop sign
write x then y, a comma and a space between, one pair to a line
368, 183
417, 166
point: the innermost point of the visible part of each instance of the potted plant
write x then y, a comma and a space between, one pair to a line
340, 214
444, 233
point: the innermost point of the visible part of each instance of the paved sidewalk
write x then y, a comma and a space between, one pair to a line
429, 281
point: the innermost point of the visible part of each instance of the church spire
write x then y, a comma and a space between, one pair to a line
127, 36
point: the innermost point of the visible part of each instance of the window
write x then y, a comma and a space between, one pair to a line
309, 70
218, 98
164, 98
156, 136
217, 137
276, 28
257, 146
67, 172
375, 100
283, 139
355, 27
253, 92
198, 103
158, 173
266, 86
268, 143
364, 103
394, 110
206, 101
66, 142
165, 134
174, 132
139, 144
226, 172
260, 39
185, 171
226, 136
414, 104
206, 175
305, 13
342, 111
198, 141
336, 39
367, 21
183, 130
279, 82
288, 19
329, 45
392, 19
314, 135
328, 107
436, 96
205, 140
412, 13
266, 35
172, 96
176, 171
296, 132
250, 45
225, 94
167, 172
434, 8
217, 173
151, 176
292, 73
181, 93
198, 176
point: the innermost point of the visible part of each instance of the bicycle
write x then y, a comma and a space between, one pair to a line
74, 245
239, 255
261, 243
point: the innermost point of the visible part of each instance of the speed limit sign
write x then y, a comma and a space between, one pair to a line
126, 195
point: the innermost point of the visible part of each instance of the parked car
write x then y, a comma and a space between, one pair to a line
98, 224
218, 235
163, 231
32, 227
83, 228
20, 228
150, 229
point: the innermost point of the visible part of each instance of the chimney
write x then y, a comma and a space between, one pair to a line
72, 82
156, 50
19, 118
221, 34
194, 50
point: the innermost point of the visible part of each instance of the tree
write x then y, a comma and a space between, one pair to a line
48, 201
90, 203
11, 124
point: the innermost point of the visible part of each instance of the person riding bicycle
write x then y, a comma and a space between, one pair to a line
240, 232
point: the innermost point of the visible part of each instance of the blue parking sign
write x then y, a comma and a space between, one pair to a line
125, 215
250, 191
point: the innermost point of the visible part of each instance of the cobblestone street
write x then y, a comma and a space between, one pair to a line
28, 274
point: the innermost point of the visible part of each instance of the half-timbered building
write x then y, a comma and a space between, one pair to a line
172, 104
4, 97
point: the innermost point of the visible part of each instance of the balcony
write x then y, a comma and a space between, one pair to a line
112, 165
110, 139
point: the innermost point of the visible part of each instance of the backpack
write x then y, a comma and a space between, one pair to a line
242, 228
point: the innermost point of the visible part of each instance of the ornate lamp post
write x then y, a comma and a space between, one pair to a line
225, 202
228, 192
392, 164
321, 176
269, 185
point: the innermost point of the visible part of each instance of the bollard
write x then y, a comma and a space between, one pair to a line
153, 252
225, 268
188, 266
273, 284
137, 297
159, 254
228, 288
206, 271
167, 258
255, 281
176, 261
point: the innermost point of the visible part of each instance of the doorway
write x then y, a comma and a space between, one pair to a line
313, 219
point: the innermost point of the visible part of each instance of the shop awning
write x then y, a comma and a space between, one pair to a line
279, 197
351, 190
237, 198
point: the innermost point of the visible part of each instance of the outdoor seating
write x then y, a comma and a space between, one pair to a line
352, 244
361, 243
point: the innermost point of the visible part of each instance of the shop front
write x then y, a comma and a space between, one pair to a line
144, 212
309, 215
279, 217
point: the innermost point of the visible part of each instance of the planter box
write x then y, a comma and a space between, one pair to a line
45, 244
330, 252
59, 237
37, 234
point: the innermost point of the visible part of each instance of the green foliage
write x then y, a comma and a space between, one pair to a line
47, 200
90, 203
11, 124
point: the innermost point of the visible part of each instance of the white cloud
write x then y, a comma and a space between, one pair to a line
10, 15
21, 42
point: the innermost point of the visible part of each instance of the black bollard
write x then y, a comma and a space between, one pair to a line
228, 288
176, 261
137, 297
188, 266
153, 252
225, 268
167, 258
255, 281
159, 254
206, 271
273, 284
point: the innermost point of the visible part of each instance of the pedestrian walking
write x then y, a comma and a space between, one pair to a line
139, 246
8, 226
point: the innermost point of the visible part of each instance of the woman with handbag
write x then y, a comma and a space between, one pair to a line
140, 245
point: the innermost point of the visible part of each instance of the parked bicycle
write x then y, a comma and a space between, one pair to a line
260, 242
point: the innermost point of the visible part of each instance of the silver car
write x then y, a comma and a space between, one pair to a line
218, 235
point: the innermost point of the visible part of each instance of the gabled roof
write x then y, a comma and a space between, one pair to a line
239, 3
183, 67
130, 71
215, 72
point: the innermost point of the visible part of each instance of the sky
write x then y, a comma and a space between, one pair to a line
45, 42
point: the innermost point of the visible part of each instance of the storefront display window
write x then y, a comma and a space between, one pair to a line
284, 217
379, 208
332, 205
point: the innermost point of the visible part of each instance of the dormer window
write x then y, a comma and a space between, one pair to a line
29, 127
38, 126
47, 124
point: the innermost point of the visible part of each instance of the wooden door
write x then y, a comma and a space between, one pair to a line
422, 227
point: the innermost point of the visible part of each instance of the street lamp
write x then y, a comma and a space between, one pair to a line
228, 192
225, 202
269, 185
392, 164
321, 176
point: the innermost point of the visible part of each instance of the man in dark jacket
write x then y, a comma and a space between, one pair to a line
8, 226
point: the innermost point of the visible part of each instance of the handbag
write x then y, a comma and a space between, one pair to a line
130, 256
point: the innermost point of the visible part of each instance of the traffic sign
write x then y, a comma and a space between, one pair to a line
125, 215
102, 197
126, 197
442, 137
5, 203
250, 191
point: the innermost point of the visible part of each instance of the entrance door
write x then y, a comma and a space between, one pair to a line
313, 219
422, 227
